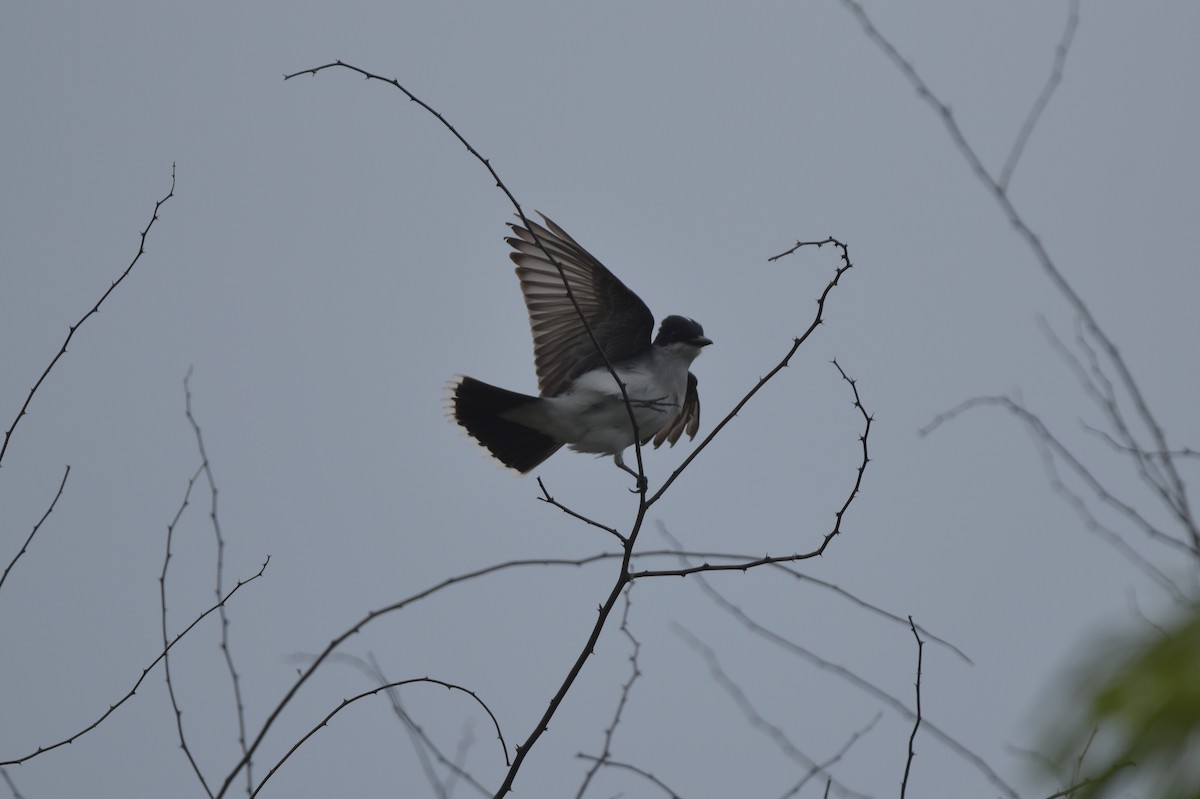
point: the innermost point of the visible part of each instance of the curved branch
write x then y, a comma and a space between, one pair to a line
41, 750
347, 702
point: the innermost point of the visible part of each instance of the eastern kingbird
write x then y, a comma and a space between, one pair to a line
580, 404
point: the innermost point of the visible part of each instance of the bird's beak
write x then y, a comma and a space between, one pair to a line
701, 341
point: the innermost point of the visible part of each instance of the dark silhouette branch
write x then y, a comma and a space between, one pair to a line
818, 320
549, 500
423, 745
41, 750
206, 466
166, 640
347, 702
634, 673
36, 527
94, 310
375, 614
839, 515
917, 721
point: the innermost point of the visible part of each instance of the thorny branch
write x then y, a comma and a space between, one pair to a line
146, 671
634, 673
36, 527
917, 721
206, 466
94, 310
166, 640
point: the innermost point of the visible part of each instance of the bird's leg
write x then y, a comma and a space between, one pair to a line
658, 404
641, 479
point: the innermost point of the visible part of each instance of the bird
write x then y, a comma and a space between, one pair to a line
579, 404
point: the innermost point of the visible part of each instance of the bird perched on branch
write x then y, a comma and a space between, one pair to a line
580, 404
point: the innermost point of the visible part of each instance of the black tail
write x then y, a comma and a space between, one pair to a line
477, 407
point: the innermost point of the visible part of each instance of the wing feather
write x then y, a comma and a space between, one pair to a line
562, 349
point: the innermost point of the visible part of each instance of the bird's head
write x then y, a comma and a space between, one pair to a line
683, 332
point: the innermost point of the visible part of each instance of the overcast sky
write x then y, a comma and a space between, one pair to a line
332, 257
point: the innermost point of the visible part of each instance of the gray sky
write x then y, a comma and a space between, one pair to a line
332, 257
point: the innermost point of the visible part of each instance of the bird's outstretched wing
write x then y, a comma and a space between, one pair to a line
562, 348
687, 420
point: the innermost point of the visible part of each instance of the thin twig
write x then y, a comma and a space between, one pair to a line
375, 614
844, 673
818, 320
162, 595
893, 617
827, 763
1123, 374
94, 309
206, 465
347, 702
634, 673
112, 708
917, 721
755, 719
423, 745
549, 500
36, 527
1054, 448
640, 772
838, 516
1043, 100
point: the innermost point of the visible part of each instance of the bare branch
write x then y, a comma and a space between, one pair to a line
1123, 375
841, 671
640, 772
422, 744
347, 702
634, 673
873, 608
375, 614
112, 708
1043, 100
36, 527
95, 309
549, 500
756, 719
917, 721
162, 594
768, 559
818, 319
12, 786
1057, 449
824, 765
206, 466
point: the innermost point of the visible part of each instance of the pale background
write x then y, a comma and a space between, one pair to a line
332, 257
